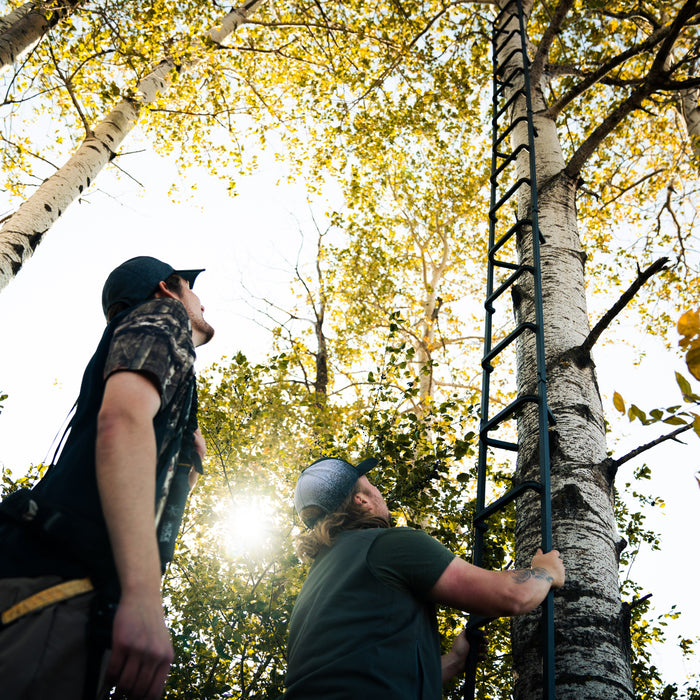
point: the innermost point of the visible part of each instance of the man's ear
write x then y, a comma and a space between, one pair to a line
163, 291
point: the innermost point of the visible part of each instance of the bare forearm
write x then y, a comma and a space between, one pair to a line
497, 593
455, 660
125, 462
529, 587
451, 665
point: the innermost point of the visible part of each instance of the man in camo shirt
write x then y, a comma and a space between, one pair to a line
82, 548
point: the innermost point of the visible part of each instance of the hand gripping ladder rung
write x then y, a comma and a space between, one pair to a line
511, 65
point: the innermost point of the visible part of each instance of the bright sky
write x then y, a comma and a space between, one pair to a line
52, 320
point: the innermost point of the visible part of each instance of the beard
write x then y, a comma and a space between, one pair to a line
206, 332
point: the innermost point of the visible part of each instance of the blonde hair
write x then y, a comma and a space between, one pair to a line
350, 516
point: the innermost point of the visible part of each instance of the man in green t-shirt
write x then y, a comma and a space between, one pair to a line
364, 623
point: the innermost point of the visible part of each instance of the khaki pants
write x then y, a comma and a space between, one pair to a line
43, 655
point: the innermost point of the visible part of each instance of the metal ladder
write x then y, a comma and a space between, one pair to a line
509, 28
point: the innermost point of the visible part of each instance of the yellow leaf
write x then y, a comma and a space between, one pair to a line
619, 402
696, 425
692, 359
689, 324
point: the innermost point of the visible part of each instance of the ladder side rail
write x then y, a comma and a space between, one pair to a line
485, 376
548, 670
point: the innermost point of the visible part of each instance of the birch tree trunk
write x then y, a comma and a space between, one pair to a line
433, 273
24, 26
591, 625
689, 107
25, 229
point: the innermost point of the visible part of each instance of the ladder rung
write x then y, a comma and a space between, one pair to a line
504, 62
506, 265
502, 12
512, 72
504, 41
504, 28
507, 196
506, 499
501, 444
527, 326
509, 159
490, 299
505, 79
507, 412
508, 131
507, 236
517, 94
500, 84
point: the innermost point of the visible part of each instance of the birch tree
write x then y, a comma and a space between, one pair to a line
621, 155
27, 24
593, 654
607, 148
344, 85
23, 231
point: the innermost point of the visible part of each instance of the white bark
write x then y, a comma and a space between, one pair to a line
25, 229
689, 104
591, 628
433, 273
24, 26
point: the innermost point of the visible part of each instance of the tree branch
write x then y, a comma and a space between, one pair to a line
616, 117
547, 38
656, 79
614, 465
583, 352
597, 75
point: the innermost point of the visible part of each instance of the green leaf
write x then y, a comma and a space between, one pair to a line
636, 412
684, 384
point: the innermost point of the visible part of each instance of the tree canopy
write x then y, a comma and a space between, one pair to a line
389, 103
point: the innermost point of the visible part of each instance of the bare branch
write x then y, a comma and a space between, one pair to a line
614, 465
69, 87
583, 352
614, 119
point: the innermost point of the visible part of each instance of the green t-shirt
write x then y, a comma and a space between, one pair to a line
362, 626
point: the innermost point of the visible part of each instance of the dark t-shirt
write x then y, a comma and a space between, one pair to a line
362, 626
154, 339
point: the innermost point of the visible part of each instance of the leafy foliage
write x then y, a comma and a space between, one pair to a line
387, 100
689, 330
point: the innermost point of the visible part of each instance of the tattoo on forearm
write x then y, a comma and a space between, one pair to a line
524, 575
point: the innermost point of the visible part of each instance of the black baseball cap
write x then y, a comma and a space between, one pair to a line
137, 279
326, 483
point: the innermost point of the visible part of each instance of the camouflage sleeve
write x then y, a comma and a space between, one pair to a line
156, 340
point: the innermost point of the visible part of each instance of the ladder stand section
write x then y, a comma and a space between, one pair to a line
511, 86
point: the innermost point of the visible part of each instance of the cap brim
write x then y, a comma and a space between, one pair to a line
189, 275
366, 464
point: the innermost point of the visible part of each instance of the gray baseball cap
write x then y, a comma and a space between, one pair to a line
326, 483
137, 279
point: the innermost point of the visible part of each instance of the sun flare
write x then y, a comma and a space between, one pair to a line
244, 526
